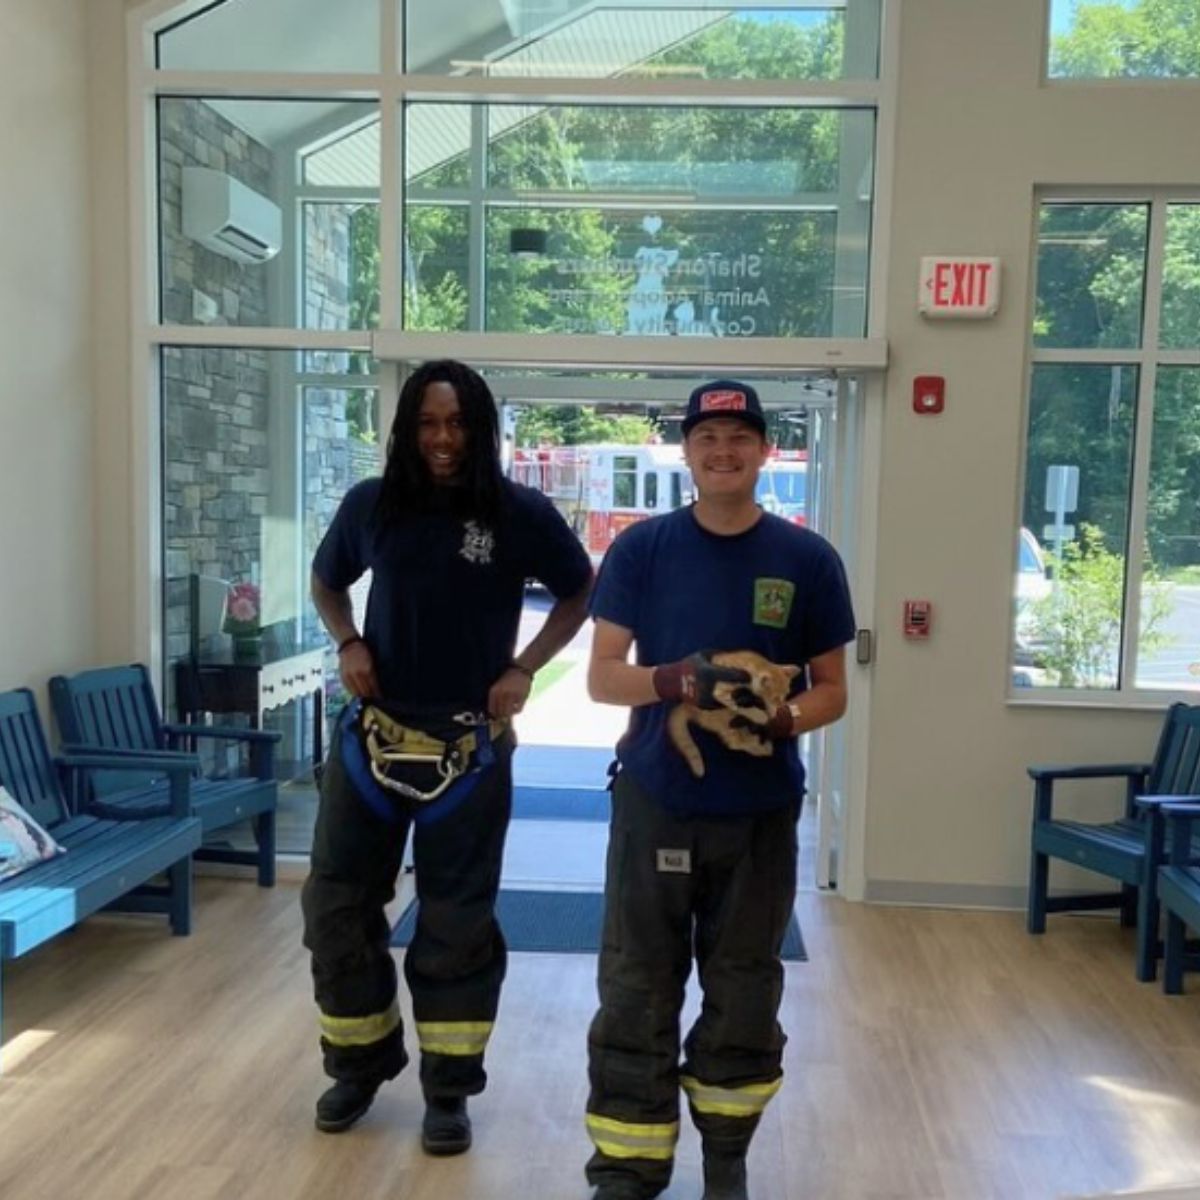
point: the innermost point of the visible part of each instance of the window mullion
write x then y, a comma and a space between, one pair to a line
476, 218
391, 205
1142, 445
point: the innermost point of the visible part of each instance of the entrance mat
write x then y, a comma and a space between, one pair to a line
562, 923
560, 803
562, 766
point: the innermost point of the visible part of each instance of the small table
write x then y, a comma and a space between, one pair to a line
223, 683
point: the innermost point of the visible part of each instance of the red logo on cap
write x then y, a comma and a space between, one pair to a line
722, 401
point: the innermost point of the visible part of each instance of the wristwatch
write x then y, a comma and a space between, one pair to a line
796, 713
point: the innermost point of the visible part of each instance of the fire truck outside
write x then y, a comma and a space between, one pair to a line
604, 488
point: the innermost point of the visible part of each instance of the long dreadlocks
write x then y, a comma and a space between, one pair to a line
407, 486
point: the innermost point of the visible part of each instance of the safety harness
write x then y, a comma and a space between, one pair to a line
400, 769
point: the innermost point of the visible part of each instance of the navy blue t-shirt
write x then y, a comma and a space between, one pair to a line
777, 589
446, 592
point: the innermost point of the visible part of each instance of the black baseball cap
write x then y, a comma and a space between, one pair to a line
724, 398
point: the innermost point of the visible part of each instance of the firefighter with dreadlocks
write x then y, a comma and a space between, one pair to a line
703, 863
426, 744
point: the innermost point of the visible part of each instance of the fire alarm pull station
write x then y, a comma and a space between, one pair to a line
929, 394
918, 614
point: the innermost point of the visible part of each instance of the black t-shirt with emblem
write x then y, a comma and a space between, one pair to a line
446, 591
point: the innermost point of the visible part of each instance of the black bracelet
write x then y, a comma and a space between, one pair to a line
516, 666
354, 637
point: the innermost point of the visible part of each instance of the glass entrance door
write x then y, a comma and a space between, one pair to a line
608, 453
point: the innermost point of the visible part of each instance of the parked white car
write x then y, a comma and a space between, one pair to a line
1032, 584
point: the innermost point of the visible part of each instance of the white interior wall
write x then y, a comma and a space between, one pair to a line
949, 810
47, 582
118, 611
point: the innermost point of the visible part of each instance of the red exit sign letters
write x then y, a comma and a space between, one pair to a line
959, 287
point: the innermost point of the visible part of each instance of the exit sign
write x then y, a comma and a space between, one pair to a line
959, 287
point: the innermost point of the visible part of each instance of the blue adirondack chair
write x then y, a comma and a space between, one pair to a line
109, 863
115, 709
1179, 894
1130, 849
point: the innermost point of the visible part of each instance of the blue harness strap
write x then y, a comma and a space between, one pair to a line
390, 808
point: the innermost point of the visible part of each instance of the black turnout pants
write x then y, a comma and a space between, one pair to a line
723, 890
456, 962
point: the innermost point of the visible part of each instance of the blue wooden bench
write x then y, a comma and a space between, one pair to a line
1179, 895
115, 709
1130, 849
109, 862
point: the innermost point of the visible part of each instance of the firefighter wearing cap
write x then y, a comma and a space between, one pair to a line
426, 744
703, 867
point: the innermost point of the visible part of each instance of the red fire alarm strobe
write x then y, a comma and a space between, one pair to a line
929, 394
918, 614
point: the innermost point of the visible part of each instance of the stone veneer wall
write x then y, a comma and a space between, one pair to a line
222, 407
333, 463
218, 404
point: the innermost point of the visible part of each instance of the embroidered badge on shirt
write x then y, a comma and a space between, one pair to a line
773, 602
478, 543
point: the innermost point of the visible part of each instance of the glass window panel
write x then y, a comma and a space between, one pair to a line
1112, 39
1068, 617
255, 461
641, 220
692, 154
701, 40
274, 35
435, 267
1169, 635
624, 482
350, 158
680, 272
1090, 275
1181, 279
650, 490
228, 218
340, 284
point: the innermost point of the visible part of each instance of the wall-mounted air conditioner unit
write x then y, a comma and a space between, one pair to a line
222, 213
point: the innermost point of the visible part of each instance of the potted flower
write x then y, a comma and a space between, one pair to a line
243, 609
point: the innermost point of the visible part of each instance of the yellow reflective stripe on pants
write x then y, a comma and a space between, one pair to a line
625, 1139
746, 1101
359, 1031
463, 1038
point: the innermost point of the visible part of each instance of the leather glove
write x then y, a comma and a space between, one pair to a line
693, 679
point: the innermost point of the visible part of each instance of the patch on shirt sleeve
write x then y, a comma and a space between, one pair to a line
773, 602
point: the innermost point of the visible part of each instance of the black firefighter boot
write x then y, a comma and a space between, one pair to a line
725, 1176
446, 1128
340, 1106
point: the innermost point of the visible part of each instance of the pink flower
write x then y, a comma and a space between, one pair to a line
242, 608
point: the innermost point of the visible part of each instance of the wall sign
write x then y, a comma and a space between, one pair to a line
959, 287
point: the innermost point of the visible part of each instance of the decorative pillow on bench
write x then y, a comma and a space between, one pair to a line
23, 842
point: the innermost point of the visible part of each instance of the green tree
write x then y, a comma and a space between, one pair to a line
575, 425
1077, 627
1150, 39
708, 152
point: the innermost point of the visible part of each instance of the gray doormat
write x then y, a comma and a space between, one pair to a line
562, 923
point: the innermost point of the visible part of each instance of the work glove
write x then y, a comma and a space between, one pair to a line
777, 726
692, 680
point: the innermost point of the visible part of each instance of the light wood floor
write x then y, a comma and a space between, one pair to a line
933, 1055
